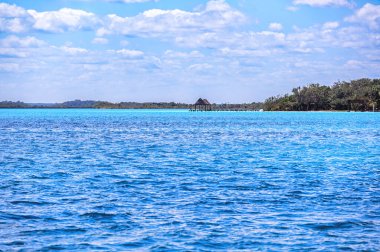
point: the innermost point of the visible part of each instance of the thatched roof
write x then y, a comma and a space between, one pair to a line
206, 102
202, 102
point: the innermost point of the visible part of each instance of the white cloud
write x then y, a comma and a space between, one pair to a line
292, 8
14, 25
100, 41
332, 36
175, 54
132, 1
16, 47
330, 25
9, 67
200, 67
123, 1
249, 53
369, 15
316, 39
354, 64
12, 53
13, 18
16, 19
321, 3
250, 40
11, 11
275, 26
63, 20
129, 53
216, 15
16, 42
73, 50
206, 39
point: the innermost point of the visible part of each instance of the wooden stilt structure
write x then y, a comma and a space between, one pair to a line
202, 105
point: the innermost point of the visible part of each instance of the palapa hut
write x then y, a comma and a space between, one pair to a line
202, 105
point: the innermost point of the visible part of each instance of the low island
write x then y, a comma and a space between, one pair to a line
356, 95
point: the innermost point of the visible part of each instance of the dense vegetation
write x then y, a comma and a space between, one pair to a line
127, 105
356, 95
10, 104
97, 104
238, 107
145, 105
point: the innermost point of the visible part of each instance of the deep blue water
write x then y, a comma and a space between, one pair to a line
178, 180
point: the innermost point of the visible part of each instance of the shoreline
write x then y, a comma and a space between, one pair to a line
187, 109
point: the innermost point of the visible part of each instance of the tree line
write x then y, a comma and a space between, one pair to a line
97, 105
355, 95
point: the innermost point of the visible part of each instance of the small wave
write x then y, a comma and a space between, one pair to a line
42, 176
11, 216
125, 183
144, 242
57, 231
60, 174
337, 225
133, 245
28, 160
53, 247
28, 202
98, 215
239, 187
15, 243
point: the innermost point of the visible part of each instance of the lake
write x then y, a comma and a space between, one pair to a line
79, 179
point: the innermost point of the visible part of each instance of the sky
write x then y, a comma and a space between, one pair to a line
228, 51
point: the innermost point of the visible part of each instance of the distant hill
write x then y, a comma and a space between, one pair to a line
77, 104
41, 104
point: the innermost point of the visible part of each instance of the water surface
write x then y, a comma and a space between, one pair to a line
178, 180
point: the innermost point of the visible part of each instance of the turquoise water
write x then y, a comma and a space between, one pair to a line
177, 180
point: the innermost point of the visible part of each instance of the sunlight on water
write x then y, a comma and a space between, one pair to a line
176, 180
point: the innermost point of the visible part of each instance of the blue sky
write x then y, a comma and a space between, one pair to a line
166, 50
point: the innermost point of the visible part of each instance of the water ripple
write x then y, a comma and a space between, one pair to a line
100, 180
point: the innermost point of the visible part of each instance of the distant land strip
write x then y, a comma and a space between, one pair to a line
356, 95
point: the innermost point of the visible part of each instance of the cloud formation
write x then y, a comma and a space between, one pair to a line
321, 3
132, 1
216, 15
15, 19
16, 42
368, 15
63, 20
275, 26
129, 53
100, 41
